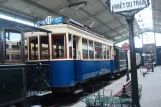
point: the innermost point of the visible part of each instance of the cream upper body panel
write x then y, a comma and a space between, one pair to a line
65, 28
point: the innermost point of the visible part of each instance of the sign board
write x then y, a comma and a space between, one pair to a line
127, 5
125, 46
50, 21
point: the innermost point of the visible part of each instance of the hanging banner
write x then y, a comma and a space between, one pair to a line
127, 5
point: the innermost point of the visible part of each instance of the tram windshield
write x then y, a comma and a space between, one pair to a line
33, 47
44, 47
58, 42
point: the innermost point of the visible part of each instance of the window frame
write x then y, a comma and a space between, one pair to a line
87, 48
104, 46
95, 50
108, 52
71, 46
30, 47
65, 45
4, 45
40, 47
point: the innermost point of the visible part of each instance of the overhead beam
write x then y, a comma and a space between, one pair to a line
15, 13
107, 23
114, 29
3, 2
98, 20
44, 8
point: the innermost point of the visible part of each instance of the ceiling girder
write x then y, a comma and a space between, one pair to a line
42, 7
3, 2
15, 13
107, 23
114, 29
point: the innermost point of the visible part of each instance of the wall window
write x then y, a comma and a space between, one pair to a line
70, 44
13, 38
98, 50
104, 51
108, 52
33, 49
44, 47
91, 50
85, 48
58, 45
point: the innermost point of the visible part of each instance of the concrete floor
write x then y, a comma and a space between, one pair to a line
151, 93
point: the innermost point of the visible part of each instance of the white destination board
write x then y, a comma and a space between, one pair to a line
126, 5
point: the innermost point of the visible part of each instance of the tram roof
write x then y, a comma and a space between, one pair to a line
20, 26
92, 13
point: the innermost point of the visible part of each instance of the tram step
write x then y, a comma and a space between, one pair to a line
38, 93
77, 91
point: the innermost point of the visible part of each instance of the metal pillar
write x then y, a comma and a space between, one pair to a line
134, 79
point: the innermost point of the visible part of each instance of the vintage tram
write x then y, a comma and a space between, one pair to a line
74, 52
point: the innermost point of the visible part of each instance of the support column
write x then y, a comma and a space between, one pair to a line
134, 78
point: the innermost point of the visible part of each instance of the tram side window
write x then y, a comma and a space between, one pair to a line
33, 48
85, 48
98, 50
108, 52
44, 47
104, 51
70, 43
26, 50
58, 45
91, 50
13, 38
122, 55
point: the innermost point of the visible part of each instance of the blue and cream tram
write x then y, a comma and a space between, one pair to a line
75, 54
14, 84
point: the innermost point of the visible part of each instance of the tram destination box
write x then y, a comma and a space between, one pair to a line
12, 84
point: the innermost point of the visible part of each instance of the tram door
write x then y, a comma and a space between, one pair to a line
74, 47
76, 57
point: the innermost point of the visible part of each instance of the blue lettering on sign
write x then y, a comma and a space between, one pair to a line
53, 21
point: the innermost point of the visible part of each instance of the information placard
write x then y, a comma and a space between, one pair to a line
127, 5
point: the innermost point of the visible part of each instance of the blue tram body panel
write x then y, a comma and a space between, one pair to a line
65, 73
62, 73
112, 66
95, 68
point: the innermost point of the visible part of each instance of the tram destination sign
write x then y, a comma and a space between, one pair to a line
127, 5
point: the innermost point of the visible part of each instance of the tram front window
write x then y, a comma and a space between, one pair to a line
33, 47
44, 47
58, 50
13, 45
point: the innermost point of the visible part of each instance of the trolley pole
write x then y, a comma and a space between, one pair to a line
134, 78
